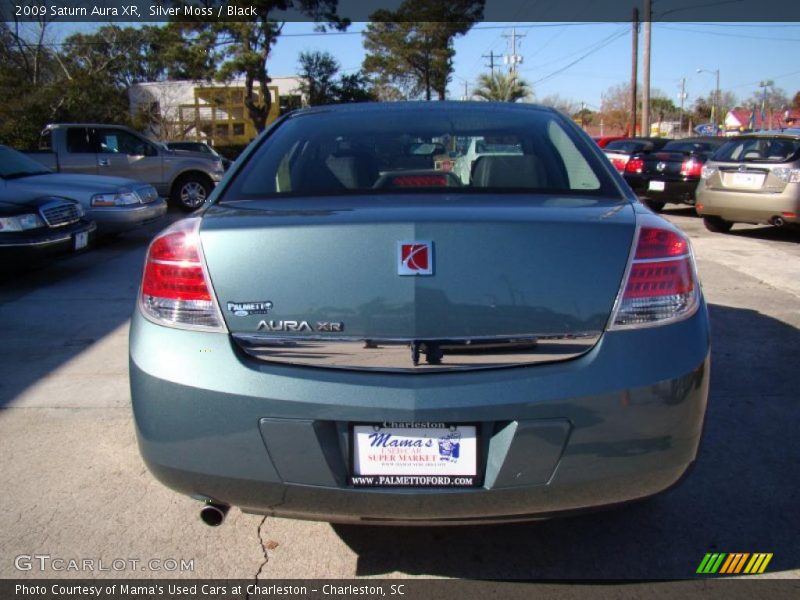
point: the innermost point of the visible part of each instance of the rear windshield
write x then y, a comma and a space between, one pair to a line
688, 146
628, 146
759, 149
427, 150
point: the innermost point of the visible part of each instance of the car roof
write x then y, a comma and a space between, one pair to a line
415, 106
786, 133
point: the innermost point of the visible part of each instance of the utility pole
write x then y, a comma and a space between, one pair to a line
646, 69
683, 97
634, 67
466, 91
513, 59
764, 112
491, 56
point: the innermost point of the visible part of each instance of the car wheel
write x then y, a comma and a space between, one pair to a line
190, 192
655, 205
717, 225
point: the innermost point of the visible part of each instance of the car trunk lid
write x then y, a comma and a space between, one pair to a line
511, 270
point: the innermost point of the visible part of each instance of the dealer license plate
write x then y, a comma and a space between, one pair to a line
414, 455
81, 240
656, 186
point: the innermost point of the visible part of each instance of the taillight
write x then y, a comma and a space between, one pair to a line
691, 168
619, 163
660, 286
634, 165
176, 290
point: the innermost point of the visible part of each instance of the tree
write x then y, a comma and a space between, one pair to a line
317, 73
502, 87
564, 105
320, 85
411, 48
776, 98
796, 101
244, 47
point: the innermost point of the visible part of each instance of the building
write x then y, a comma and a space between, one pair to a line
204, 111
741, 119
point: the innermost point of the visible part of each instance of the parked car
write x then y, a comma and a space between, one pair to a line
340, 337
620, 151
671, 174
114, 150
201, 147
34, 227
114, 203
464, 165
752, 179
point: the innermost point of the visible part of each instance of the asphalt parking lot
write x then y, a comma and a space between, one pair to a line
75, 487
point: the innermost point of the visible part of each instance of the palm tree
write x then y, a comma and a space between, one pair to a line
503, 87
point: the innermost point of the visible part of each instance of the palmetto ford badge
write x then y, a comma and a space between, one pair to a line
242, 309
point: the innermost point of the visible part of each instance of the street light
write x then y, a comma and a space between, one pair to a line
716, 96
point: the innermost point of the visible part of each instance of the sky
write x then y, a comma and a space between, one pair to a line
580, 61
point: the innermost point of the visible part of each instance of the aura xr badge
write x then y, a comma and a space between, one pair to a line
415, 258
242, 309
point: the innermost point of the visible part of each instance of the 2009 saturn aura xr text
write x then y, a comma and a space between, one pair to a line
353, 329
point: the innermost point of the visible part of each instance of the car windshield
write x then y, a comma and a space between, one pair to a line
760, 149
14, 164
336, 152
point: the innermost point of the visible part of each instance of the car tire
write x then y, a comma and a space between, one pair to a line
654, 205
717, 225
191, 191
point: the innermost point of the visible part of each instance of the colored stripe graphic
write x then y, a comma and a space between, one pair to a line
711, 563
758, 563
734, 563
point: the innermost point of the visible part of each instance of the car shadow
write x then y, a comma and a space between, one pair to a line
52, 312
741, 496
789, 235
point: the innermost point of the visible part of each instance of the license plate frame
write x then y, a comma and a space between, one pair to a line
446, 455
656, 186
81, 240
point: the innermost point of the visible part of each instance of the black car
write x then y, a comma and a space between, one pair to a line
621, 150
41, 227
671, 174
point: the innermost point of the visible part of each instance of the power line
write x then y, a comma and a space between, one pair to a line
733, 35
596, 48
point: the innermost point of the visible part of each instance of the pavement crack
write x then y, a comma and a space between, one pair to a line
264, 546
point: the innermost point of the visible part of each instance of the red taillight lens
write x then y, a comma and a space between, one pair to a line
619, 163
691, 168
175, 289
660, 243
634, 165
661, 278
661, 285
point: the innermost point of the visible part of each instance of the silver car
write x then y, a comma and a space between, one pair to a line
114, 203
752, 179
347, 333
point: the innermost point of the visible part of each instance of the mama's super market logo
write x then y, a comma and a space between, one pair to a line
736, 563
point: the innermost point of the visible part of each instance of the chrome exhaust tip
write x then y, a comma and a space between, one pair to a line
214, 514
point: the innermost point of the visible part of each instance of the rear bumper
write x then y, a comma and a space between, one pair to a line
620, 423
124, 218
750, 207
674, 192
